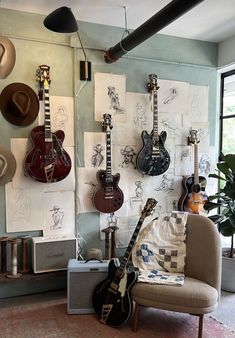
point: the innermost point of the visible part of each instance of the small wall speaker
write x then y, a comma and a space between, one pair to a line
82, 278
52, 254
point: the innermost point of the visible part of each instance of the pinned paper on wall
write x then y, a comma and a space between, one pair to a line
59, 214
61, 117
95, 150
110, 96
22, 209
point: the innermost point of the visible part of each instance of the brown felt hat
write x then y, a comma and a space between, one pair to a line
7, 165
7, 57
19, 104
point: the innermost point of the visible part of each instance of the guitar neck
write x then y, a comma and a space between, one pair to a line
127, 254
47, 117
155, 114
108, 156
196, 176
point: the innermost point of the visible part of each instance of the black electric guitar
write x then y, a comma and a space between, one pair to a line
46, 161
111, 297
153, 159
194, 196
109, 197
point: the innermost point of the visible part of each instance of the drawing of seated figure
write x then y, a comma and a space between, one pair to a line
204, 165
59, 118
114, 100
97, 159
128, 154
166, 184
139, 191
57, 217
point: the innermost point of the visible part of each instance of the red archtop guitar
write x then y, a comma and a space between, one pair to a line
109, 197
194, 196
46, 161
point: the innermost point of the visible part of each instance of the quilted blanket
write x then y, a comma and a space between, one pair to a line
160, 250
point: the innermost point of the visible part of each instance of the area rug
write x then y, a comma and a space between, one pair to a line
50, 320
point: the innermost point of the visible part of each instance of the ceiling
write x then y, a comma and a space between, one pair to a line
210, 20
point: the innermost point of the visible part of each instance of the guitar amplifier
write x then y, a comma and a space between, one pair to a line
52, 254
82, 278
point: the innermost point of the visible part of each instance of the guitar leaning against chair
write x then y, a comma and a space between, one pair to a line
153, 159
109, 197
194, 196
46, 161
111, 297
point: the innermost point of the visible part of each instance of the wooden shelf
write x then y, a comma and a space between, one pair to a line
31, 283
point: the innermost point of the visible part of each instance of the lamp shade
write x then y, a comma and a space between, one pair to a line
61, 20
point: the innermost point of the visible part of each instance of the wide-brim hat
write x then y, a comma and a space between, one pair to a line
19, 104
7, 57
7, 165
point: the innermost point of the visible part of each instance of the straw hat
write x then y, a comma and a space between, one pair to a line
7, 57
7, 165
19, 104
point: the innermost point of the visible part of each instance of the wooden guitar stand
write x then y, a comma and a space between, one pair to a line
25, 254
110, 250
3, 243
14, 272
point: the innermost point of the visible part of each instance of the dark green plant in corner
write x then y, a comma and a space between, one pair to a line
225, 199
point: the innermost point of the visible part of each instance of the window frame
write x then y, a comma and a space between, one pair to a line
222, 118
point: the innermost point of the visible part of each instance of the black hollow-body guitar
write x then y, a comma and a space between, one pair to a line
153, 159
108, 197
111, 298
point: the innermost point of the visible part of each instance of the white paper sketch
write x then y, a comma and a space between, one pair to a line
62, 117
184, 160
139, 111
110, 92
172, 203
198, 103
95, 150
22, 211
59, 214
124, 157
171, 123
19, 147
173, 96
86, 187
166, 184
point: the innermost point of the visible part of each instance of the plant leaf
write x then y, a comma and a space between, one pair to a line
217, 176
226, 228
223, 167
230, 160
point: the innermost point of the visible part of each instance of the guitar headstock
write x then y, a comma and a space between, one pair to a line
149, 206
193, 137
107, 123
43, 76
152, 85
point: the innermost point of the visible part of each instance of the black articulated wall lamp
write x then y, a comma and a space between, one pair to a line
62, 20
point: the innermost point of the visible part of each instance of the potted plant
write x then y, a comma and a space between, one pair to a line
225, 220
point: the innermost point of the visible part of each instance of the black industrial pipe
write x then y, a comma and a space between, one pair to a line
161, 19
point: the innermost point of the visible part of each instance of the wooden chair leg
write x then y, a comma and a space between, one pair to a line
135, 323
200, 327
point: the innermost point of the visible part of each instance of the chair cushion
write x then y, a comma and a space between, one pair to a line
194, 296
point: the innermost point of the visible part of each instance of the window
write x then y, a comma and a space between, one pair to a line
227, 114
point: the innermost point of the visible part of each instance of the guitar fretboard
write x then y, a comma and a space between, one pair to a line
109, 177
196, 177
155, 114
130, 246
47, 118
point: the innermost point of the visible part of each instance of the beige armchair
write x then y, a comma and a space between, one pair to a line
201, 290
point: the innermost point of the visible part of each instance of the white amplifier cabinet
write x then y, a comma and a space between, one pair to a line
52, 254
82, 278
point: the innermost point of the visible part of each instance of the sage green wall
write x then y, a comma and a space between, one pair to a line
169, 57
226, 52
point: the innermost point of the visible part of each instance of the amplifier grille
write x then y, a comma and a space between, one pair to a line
81, 288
